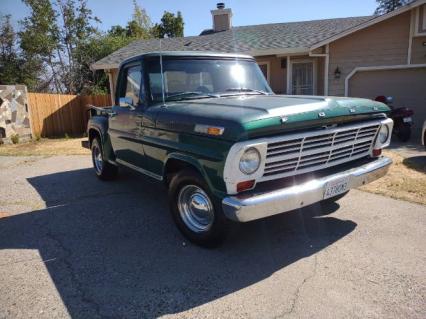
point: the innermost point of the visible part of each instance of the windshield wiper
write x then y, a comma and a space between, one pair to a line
183, 95
246, 90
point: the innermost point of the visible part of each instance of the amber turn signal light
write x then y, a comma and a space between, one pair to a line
243, 186
210, 130
214, 131
377, 152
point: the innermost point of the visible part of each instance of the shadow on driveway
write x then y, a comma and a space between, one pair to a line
111, 249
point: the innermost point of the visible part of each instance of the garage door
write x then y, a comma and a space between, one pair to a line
407, 86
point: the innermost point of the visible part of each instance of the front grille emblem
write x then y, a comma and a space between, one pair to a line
321, 114
284, 119
352, 110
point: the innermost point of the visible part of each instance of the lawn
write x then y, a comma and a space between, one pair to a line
63, 146
406, 178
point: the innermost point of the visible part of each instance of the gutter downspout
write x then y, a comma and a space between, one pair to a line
289, 78
326, 66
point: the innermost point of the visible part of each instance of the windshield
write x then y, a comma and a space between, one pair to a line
204, 78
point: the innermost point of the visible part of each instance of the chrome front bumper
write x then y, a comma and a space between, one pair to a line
247, 207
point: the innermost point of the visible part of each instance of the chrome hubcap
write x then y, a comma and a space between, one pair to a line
195, 208
97, 158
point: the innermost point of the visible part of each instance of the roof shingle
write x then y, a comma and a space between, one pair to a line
244, 39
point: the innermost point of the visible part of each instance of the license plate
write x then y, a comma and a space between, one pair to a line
336, 187
407, 119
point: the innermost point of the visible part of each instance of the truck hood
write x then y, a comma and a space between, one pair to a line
249, 116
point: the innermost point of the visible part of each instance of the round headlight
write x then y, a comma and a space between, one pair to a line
383, 134
250, 161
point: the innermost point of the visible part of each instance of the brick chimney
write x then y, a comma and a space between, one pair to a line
222, 18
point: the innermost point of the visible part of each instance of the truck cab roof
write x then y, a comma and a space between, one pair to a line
192, 54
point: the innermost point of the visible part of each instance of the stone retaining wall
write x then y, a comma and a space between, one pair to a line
14, 116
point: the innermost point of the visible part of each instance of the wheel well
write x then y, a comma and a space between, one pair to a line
173, 166
92, 135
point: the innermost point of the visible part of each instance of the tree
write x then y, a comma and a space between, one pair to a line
386, 6
140, 16
11, 62
39, 41
170, 26
8, 57
117, 31
94, 49
77, 28
59, 41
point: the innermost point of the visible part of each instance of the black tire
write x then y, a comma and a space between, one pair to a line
331, 200
404, 132
104, 170
218, 229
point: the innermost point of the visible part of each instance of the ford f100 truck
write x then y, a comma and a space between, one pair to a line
228, 148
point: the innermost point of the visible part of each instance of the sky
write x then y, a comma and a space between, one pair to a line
197, 17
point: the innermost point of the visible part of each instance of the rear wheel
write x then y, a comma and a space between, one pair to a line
195, 211
103, 169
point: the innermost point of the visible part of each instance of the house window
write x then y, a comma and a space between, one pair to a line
264, 67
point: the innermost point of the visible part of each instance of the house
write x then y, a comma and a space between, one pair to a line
356, 56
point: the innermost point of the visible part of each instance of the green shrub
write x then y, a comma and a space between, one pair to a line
15, 138
37, 137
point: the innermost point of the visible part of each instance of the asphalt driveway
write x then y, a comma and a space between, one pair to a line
73, 246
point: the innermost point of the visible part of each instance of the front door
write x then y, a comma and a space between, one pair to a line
125, 124
302, 78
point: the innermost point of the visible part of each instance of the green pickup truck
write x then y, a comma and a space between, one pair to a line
229, 149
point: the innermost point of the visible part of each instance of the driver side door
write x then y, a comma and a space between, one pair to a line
125, 128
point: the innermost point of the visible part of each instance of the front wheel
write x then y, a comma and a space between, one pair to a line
195, 211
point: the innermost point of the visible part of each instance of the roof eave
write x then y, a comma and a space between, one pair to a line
369, 23
102, 66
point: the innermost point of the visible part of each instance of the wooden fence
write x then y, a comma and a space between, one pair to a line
54, 115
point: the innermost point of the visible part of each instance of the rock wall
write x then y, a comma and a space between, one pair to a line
14, 116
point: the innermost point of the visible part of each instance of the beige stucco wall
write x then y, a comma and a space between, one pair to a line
385, 43
418, 50
278, 76
320, 75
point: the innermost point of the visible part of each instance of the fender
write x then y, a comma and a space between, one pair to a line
100, 125
215, 184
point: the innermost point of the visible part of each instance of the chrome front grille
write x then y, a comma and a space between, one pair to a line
300, 153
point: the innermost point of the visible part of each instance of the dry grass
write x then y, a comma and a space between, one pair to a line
405, 180
71, 146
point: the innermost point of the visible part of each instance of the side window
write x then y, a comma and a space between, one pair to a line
132, 84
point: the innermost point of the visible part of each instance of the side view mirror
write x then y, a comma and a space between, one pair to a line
126, 101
